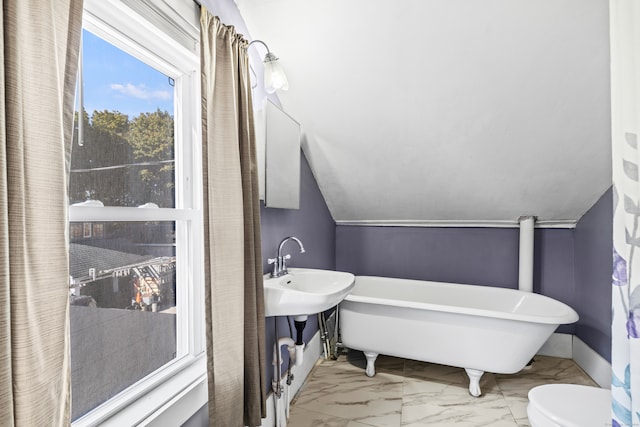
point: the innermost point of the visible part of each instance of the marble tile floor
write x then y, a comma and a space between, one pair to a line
410, 393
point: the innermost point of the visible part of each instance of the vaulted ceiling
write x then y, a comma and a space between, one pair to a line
447, 111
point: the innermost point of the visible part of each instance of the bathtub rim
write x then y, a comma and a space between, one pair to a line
567, 316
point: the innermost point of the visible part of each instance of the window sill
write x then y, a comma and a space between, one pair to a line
170, 398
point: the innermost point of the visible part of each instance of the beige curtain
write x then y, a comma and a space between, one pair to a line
233, 266
39, 58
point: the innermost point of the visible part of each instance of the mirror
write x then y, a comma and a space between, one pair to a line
282, 159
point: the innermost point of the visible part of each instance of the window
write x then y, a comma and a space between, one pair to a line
86, 229
135, 218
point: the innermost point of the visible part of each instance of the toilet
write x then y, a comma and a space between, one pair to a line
569, 405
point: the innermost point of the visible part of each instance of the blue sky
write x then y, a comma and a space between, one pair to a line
114, 80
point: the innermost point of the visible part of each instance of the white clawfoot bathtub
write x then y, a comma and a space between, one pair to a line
478, 328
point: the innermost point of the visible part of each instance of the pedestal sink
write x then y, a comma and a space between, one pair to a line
305, 291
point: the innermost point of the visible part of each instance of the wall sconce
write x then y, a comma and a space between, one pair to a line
274, 76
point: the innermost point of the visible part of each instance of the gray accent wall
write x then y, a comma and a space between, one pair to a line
593, 264
553, 265
313, 225
572, 266
480, 256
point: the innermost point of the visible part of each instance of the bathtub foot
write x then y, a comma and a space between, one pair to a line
371, 360
474, 381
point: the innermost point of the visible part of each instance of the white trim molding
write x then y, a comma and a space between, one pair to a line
592, 363
571, 347
456, 224
558, 345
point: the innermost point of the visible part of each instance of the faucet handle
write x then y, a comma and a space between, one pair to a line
277, 266
287, 256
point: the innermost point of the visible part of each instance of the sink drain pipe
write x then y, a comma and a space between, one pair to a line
525, 266
276, 383
300, 323
296, 352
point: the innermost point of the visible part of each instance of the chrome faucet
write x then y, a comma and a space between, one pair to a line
280, 261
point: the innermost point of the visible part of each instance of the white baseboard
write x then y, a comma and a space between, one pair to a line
558, 345
312, 352
571, 347
592, 363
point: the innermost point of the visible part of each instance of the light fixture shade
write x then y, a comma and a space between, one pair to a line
274, 76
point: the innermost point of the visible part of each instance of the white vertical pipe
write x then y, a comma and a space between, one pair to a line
525, 266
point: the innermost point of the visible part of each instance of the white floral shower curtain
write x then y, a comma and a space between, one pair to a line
625, 113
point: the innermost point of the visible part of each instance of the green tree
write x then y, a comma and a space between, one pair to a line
124, 162
103, 147
113, 122
151, 136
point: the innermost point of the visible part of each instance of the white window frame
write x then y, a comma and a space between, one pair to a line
165, 36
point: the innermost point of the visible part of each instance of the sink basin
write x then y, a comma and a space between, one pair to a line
305, 291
